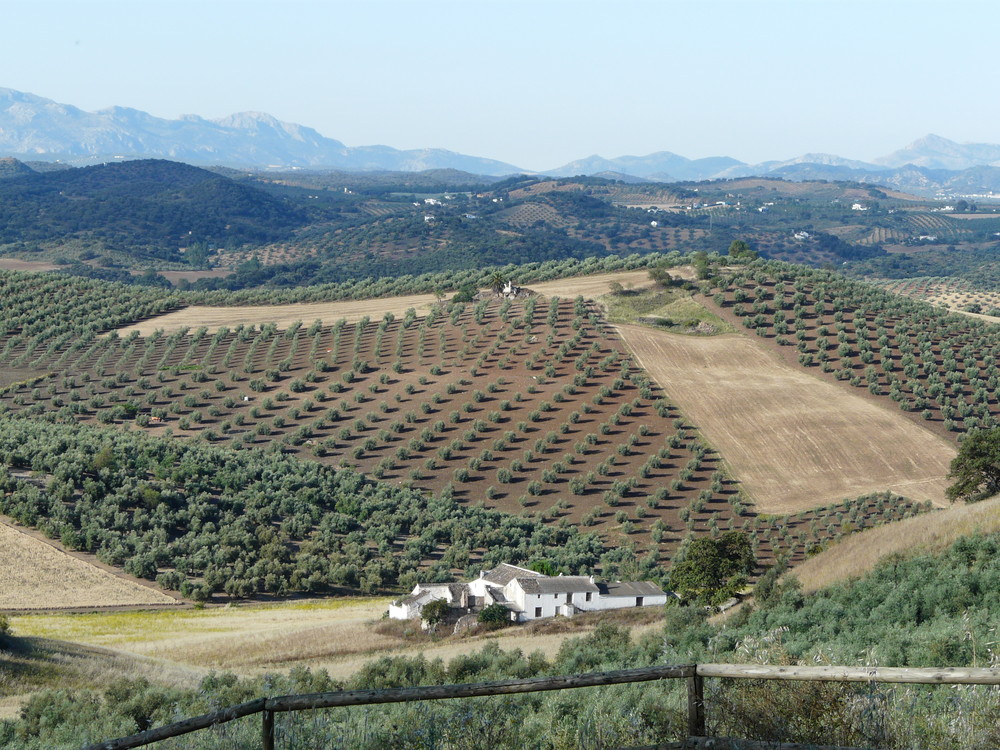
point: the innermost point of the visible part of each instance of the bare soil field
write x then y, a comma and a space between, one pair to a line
283, 315
35, 575
354, 310
16, 264
794, 441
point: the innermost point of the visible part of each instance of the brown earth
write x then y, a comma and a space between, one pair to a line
15, 264
794, 441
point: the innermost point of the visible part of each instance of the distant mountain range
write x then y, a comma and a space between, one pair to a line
32, 127
35, 128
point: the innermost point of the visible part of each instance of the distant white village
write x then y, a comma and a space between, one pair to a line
529, 595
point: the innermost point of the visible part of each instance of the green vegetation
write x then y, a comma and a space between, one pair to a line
148, 209
921, 611
976, 468
938, 367
712, 570
670, 308
435, 611
204, 520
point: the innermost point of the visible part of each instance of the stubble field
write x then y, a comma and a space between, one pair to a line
794, 441
35, 575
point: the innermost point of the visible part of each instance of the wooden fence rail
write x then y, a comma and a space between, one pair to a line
694, 674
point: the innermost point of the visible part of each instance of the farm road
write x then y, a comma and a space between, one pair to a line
793, 440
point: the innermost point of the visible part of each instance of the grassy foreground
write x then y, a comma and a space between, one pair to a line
924, 610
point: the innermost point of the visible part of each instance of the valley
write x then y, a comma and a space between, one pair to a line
206, 478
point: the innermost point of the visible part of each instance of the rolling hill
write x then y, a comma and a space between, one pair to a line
148, 207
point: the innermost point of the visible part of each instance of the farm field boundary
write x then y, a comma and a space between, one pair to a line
354, 310
795, 442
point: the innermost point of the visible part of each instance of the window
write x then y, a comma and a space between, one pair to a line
538, 611
638, 601
588, 596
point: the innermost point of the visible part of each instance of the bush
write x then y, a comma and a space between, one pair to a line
435, 611
496, 615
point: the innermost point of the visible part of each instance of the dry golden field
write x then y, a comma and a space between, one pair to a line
35, 575
15, 264
338, 635
354, 310
794, 441
857, 554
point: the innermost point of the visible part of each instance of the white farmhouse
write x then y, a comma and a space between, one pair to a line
529, 595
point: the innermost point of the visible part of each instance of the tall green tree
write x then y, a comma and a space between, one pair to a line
713, 569
976, 468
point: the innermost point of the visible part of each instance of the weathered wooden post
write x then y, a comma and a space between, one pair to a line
267, 730
696, 706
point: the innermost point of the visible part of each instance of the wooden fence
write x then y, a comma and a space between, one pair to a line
694, 674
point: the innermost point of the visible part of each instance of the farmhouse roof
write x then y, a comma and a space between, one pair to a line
497, 594
557, 585
631, 588
504, 573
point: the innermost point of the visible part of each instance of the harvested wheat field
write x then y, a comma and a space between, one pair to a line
35, 575
283, 315
15, 264
354, 310
794, 441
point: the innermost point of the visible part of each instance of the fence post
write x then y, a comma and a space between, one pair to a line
267, 730
696, 705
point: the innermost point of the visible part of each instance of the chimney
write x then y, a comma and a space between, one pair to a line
592, 579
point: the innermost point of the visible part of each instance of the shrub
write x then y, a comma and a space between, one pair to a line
495, 615
435, 611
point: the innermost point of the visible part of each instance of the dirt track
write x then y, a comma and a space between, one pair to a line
795, 441
354, 310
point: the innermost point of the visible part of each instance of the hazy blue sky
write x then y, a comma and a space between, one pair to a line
535, 83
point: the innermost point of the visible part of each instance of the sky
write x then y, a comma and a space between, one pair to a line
535, 83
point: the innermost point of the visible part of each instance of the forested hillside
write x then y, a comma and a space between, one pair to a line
149, 208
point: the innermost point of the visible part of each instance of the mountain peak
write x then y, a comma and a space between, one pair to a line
934, 152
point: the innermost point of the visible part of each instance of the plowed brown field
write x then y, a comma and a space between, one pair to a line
794, 441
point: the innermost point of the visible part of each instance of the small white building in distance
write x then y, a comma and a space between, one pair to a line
530, 595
